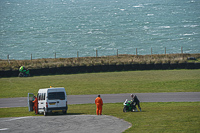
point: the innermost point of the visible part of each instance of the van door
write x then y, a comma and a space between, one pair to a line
61, 102
30, 102
41, 101
52, 99
56, 99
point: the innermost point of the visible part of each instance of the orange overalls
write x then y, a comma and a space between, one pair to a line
35, 107
99, 104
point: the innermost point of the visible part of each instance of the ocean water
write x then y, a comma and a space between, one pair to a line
65, 27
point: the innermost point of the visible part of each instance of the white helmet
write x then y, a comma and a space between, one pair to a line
132, 95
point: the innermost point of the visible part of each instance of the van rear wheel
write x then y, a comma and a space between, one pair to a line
64, 112
45, 113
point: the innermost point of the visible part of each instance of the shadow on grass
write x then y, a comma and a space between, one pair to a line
140, 111
60, 113
75, 114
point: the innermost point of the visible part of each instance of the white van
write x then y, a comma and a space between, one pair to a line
51, 99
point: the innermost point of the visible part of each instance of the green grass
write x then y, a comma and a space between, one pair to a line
106, 83
155, 117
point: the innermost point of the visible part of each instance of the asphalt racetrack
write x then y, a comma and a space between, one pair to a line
113, 98
64, 124
83, 123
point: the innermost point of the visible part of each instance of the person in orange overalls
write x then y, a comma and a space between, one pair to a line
35, 106
99, 104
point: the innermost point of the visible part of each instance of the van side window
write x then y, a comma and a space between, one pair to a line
44, 95
39, 96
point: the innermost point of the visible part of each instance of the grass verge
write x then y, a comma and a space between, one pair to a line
155, 117
106, 83
88, 61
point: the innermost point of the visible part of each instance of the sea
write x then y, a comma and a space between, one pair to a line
88, 28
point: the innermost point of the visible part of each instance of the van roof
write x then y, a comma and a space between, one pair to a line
52, 88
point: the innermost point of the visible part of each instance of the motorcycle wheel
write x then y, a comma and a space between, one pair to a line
21, 75
124, 109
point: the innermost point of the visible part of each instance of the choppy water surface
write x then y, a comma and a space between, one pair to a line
43, 27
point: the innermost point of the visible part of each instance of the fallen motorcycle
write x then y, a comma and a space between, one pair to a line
129, 106
23, 72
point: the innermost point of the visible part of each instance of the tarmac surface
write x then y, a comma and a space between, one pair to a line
64, 124
113, 98
83, 123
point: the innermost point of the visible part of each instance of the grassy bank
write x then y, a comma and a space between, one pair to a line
155, 117
88, 61
106, 83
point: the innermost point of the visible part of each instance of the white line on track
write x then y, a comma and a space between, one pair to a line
17, 118
3, 129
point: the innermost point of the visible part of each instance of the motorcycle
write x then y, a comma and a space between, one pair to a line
24, 73
129, 106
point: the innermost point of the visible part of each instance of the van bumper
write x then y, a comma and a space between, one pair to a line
60, 108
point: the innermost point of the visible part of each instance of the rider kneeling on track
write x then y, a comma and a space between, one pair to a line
136, 101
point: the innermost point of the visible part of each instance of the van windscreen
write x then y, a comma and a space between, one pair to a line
56, 95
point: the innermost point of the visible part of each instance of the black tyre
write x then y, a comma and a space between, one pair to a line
45, 113
64, 112
21, 75
133, 109
124, 109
